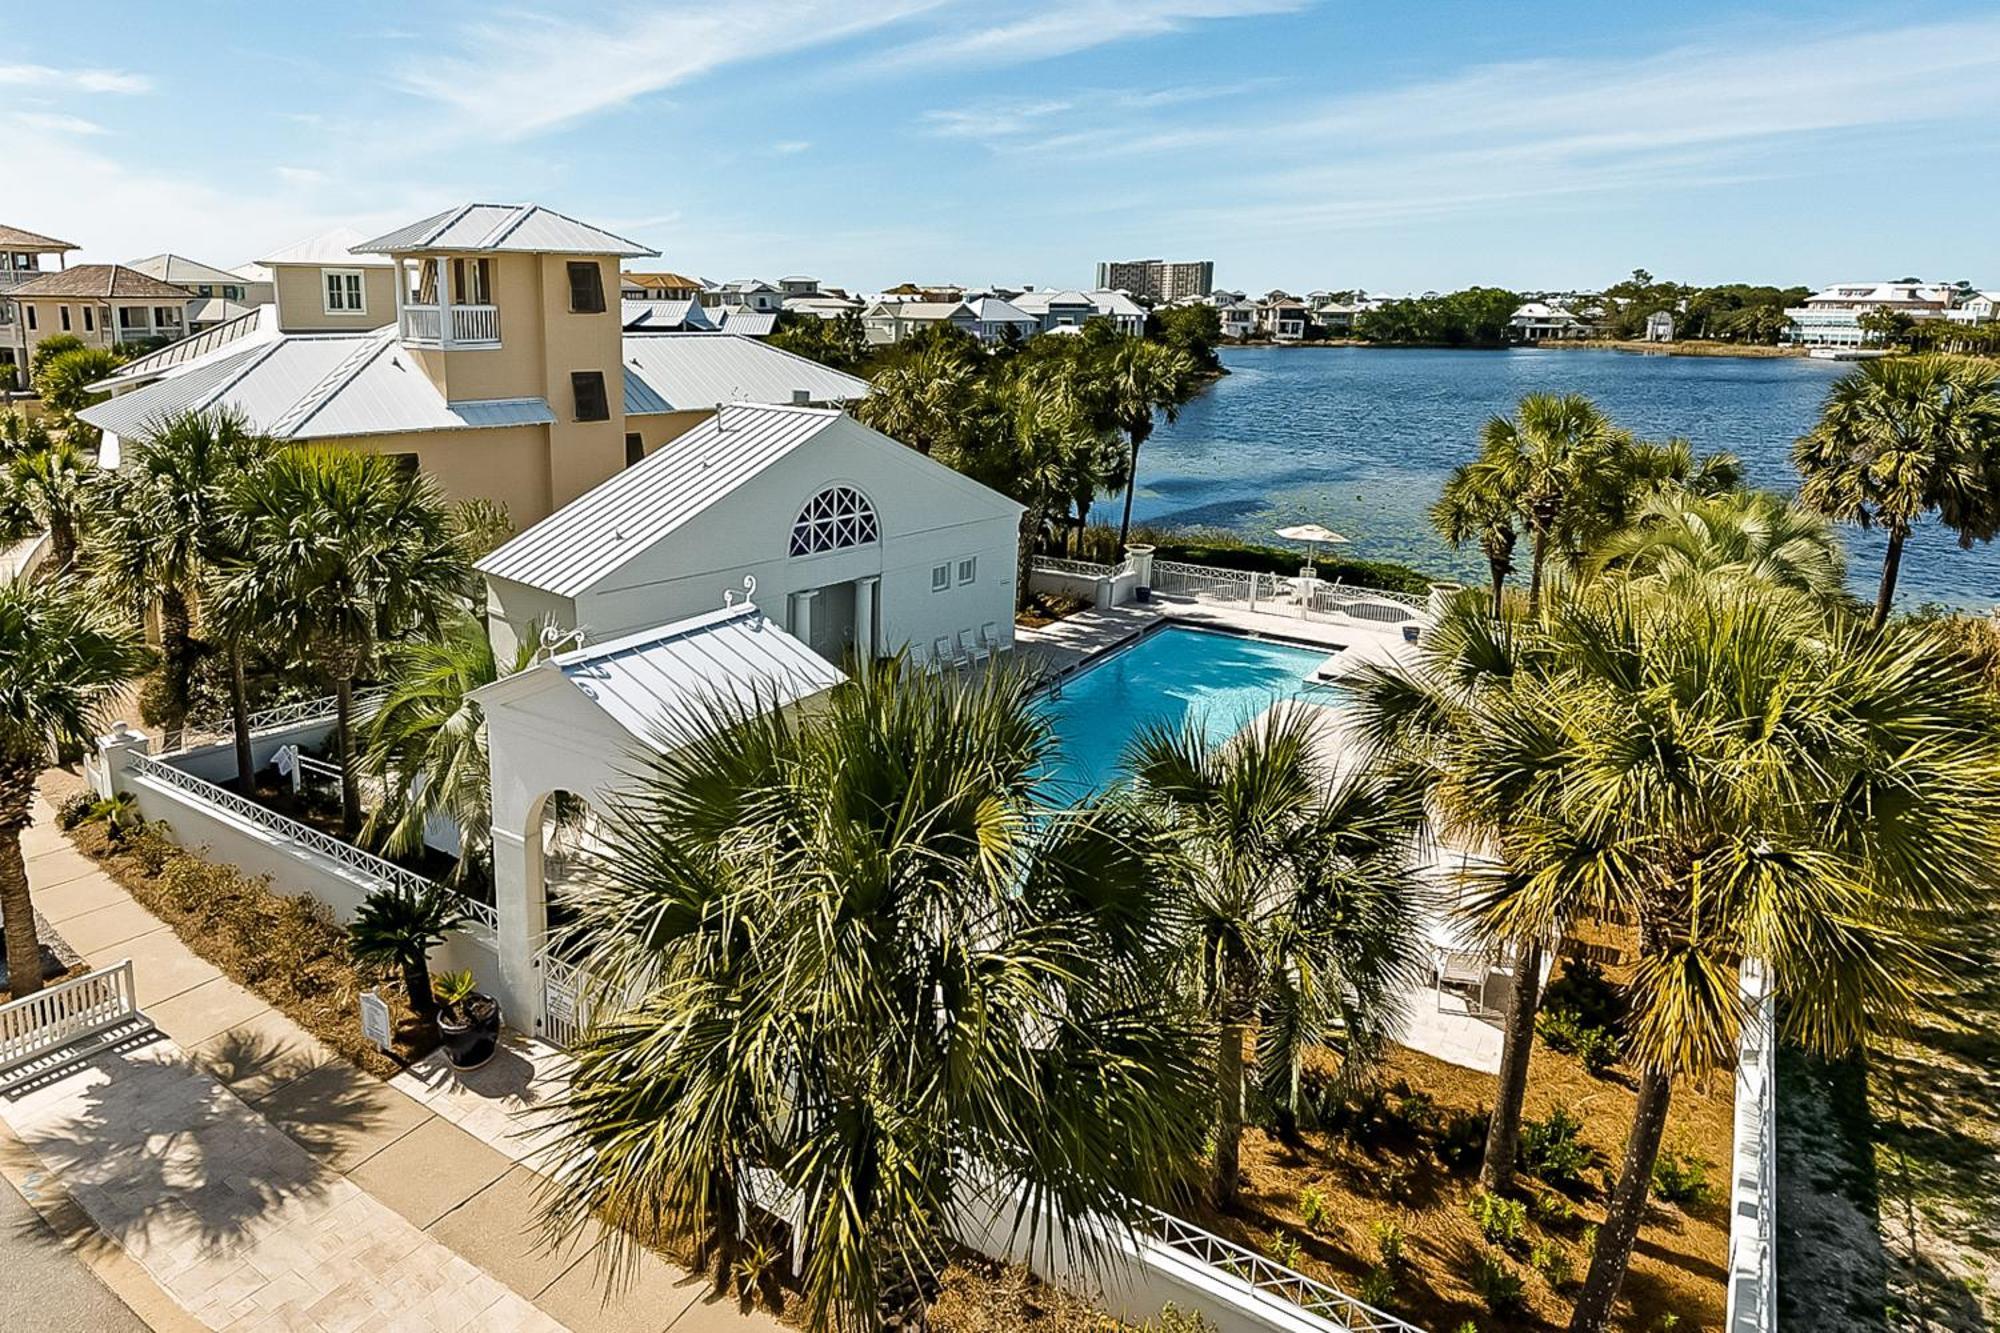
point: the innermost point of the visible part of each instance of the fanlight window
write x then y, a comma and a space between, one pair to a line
835, 519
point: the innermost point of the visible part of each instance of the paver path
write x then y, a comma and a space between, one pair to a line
324, 1149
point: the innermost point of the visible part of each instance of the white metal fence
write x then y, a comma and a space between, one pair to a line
1049, 564
564, 1013
63, 1018
1272, 1277
384, 873
1284, 595
212, 730
1753, 1186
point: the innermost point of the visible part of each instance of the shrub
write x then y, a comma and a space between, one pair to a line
1552, 1210
1561, 1030
1681, 1178
1285, 1249
1314, 1210
1499, 1286
1462, 1141
1389, 1246
1415, 1112
1584, 991
1553, 1150
1500, 1220
1377, 1287
1552, 1262
75, 808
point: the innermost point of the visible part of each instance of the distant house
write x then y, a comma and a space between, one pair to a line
104, 304
1975, 308
1126, 314
741, 319
887, 322
1538, 321
798, 285
1238, 318
995, 320
1832, 317
822, 306
1660, 326
21, 261
322, 285
222, 295
1282, 318
681, 316
659, 287
1054, 310
751, 293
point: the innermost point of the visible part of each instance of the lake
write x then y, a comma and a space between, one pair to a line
1360, 438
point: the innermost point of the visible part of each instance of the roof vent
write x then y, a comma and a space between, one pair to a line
801, 397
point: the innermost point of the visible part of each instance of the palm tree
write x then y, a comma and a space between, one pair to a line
398, 927
1292, 902
925, 396
1553, 457
45, 490
1746, 775
427, 743
1903, 437
64, 381
1142, 380
1415, 720
340, 553
160, 527
853, 947
1751, 535
1475, 506
58, 660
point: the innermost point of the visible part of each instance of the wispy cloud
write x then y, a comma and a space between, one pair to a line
54, 122
525, 73
1044, 31
1040, 123
791, 147
301, 176
74, 80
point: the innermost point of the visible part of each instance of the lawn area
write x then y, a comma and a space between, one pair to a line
1407, 1158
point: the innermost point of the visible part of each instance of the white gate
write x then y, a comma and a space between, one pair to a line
564, 1012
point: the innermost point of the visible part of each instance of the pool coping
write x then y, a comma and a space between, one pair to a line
1166, 621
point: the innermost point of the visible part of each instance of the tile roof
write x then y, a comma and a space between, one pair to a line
503, 228
179, 268
14, 238
663, 280
659, 683
699, 370
594, 534
103, 281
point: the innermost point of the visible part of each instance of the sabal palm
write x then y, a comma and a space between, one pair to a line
923, 399
1753, 535
1414, 719
1055, 450
1746, 775
339, 553
45, 489
1474, 506
1552, 456
59, 658
161, 525
1141, 381
427, 742
64, 383
1902, 437
852, 946
1293, 902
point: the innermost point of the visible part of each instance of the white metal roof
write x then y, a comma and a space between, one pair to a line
1038, 303
336, 247
260, 324
660, 683
518, 228
694, 370
595, 533
645, 313
749, 323
180, 269
992, 309
215, 310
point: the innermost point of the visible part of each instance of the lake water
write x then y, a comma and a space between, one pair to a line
1360, 438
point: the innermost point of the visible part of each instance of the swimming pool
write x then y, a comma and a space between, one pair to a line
1224, 680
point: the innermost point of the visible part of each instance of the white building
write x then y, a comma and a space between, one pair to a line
1539, 321
1660, 326
1975, 308
1832, 318
857, 544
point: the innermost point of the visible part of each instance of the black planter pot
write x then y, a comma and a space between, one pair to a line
470, 1031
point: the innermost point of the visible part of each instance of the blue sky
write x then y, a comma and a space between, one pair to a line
1302, 143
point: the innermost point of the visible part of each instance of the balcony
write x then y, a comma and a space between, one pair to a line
471, 326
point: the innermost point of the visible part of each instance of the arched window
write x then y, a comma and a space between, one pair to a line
837, 518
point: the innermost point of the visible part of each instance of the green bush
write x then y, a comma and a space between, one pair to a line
1597, 1048
1314, 1209
1461, 1142
1499, 1286
1501, 1221
1681, 1178
1285, 1249
1389, 1246
75, 808
1552, 1210
1584, 990
1553, 1150
1377, 1287
1552, 1262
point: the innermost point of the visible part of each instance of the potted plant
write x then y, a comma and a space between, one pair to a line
468, 1020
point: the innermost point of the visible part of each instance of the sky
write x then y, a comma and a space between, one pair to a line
1298, 143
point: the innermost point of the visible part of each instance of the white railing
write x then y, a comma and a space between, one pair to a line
1283, 595
385, 873
470, 324
1049, 564
1753, 1184
1269, 1276
300, 712
64, 1015
565, 1013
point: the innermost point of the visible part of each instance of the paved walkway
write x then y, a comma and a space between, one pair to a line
256, 1176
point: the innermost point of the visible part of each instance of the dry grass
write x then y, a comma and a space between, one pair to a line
1392, 1175
286, 949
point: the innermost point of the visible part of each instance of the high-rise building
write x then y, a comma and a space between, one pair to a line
1157, 278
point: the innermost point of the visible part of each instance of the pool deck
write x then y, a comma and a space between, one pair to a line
1065, 644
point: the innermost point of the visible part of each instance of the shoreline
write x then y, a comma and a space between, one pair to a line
1750, 351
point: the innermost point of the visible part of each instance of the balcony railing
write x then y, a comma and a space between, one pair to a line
471, 326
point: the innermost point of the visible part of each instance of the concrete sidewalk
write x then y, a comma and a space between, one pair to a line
333, 1141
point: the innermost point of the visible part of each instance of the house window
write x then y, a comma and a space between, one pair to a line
232, 293
587, 386
31, 315
164, 315
405, 464
89, 319
129, 319
635, 447
344, 295
471, 282
586, 288
940, 577
62, 312
837, 518
968, 569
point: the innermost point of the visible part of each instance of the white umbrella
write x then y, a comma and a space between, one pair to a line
1312, 534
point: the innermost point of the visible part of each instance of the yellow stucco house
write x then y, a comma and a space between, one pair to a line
492, 356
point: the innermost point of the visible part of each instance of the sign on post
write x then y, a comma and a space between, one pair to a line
375, 1019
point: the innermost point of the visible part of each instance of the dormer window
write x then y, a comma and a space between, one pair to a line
344, 292
586, 288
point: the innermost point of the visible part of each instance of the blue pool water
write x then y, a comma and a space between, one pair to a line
1223, 680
